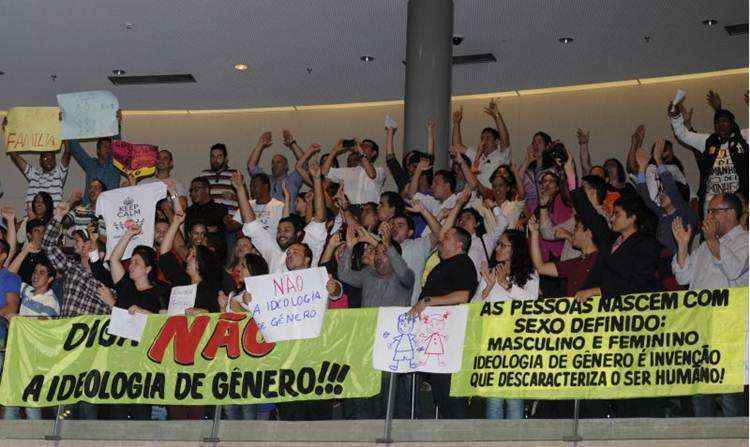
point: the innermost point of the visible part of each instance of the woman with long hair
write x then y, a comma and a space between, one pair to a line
510, 276
202, 268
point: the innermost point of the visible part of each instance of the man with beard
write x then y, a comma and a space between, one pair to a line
289, 230
219, 178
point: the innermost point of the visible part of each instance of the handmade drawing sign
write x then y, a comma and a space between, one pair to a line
123, 207
432, 342
88, 114
137, 160
289, 305
33, 129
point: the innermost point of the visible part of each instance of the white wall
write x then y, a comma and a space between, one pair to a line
611, 114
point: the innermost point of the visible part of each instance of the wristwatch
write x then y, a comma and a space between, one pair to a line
426, 300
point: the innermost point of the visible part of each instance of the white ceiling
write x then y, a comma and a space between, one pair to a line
82, 41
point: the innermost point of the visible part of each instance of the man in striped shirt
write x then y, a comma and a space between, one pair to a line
49, 176
219, 178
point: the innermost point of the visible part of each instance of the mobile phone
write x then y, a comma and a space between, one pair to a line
349, 143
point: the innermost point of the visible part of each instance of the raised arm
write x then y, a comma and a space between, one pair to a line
584, 153
430, 124
456, 138
265, 140
174, 228
413, 185
291, 143
544, 268
246, 211
366, 162
19, 161
115, 260
636, 143
301, 165
500, 126
65, 155
318, 199
402, 271
333, 155
432, 222
9, 213
697, 140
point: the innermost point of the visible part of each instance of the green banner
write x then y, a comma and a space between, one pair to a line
197, 360
641, 345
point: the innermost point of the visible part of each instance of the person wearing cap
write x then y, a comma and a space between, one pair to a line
724, 165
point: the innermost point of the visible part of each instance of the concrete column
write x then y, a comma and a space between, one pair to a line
429, 64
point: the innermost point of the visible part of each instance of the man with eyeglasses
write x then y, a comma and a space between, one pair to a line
720, 261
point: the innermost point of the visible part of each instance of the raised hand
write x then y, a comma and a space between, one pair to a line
265, 140
458, 115
680, 232
430, 125
385, 232
287, 137
583, 136
672, 111
488, 274
314, 170
491, 109
9, 214
659, 145
238, 180
641, 159
713, 99
423, 165
132, 228
710, 229
636, 140
687, 115
533, 224
463, 196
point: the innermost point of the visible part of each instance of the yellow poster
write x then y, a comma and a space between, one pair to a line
640, 345
33, 129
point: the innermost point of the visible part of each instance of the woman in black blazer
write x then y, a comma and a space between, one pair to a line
628, 254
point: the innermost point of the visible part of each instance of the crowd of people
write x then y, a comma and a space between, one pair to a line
488, 227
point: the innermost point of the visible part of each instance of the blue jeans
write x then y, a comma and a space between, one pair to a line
246, 412
495, 408
14, 413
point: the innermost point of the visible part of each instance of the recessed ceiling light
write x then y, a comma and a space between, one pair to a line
710, 22
129, 25
240, 67
118, 72
2, 72
367, 58
565, 39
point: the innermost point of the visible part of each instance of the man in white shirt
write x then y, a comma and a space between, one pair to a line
721, 261
288, 232
362, 182
268, 210
443, 188
494, 144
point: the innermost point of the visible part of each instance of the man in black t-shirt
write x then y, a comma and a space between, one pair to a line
452, 281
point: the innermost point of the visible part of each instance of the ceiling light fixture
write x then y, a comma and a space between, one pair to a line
129, 25
565, 39
2, 72
710, 22
240, 67
367, 58
118, 72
